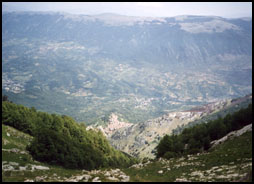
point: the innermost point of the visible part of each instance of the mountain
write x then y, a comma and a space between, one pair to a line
60, 141
140, 140
138, 68
19, 165
229, 161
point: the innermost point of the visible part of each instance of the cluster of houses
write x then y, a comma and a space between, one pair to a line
12, 86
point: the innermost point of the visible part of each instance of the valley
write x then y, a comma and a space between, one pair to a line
89, 67
140, 140
230, 161
94, 98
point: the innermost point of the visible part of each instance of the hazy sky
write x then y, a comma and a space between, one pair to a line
156, 9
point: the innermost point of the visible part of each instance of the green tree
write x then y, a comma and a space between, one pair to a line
165, 145
5, 98
206, 142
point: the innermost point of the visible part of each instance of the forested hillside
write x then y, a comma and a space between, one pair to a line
197, 138
59, 140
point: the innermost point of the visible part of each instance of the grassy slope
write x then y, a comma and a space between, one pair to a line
20, 140
230, 161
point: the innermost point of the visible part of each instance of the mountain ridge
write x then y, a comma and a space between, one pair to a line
89, 69
140, 139
228, 161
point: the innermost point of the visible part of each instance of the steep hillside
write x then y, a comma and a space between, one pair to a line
230, 161
19, 166
89, 67
59, 140
141, 139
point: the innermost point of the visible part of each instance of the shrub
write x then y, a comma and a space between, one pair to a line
169, 155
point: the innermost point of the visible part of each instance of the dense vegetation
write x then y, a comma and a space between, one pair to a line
242, 102
61, 141
198, 137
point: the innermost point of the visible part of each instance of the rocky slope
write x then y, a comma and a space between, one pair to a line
229, 161
226, 162
231, 135
141, 139
18, 165
113, 125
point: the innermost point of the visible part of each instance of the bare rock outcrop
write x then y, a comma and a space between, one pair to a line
231, 135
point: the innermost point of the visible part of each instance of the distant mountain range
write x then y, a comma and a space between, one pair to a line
139, 68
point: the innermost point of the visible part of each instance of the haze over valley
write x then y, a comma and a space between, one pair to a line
140, 68
126, 91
